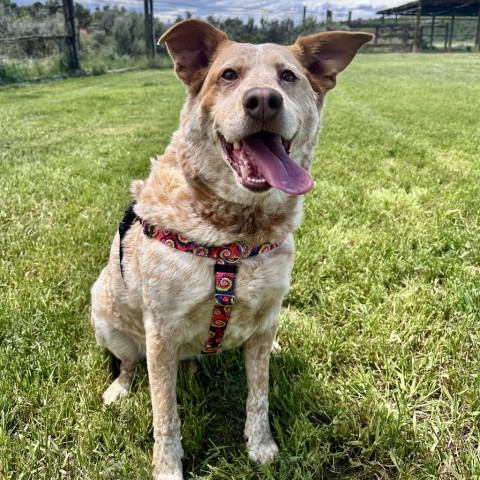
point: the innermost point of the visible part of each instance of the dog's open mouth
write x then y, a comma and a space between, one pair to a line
262, 161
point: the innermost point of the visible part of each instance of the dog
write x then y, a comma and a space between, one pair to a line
204, 254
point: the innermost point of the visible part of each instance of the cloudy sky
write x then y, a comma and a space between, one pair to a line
169, 9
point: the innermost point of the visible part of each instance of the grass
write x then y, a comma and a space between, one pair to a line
380, 371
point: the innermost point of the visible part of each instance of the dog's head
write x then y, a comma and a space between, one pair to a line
253, 111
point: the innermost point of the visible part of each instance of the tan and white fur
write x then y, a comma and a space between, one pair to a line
161, 308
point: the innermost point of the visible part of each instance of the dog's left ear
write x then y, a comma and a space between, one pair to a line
191, 44
326, 54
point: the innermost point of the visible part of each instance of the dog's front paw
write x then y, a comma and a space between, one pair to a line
176, 475
164, 471
262, 452
167, 463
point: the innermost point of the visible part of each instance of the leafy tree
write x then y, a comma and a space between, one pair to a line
8, 7
83, 16
54, 6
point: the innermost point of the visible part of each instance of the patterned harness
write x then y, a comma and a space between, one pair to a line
227, 257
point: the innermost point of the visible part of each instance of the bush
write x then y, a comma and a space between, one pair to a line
128, 32
122, 35
138, 47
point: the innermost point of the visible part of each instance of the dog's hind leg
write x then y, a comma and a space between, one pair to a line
276, 348
123, 346
125, 349
121, 385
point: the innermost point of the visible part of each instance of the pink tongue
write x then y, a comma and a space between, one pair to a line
276, 166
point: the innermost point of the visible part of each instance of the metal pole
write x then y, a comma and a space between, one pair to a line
477, 36
416, 38
432, 30
450, 38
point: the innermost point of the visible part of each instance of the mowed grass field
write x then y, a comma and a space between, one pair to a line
379, 377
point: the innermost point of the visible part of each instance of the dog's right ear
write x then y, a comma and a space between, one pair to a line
191, 44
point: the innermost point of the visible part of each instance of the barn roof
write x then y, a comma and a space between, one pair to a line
459, 8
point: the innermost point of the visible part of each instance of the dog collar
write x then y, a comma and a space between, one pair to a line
227, 257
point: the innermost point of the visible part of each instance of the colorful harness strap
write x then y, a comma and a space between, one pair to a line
225, 269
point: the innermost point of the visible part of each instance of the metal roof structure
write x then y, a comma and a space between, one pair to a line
434, 9
437, 8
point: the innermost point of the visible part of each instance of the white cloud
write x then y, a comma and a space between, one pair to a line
268, 9
273, 9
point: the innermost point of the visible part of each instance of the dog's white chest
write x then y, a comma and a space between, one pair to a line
182, 288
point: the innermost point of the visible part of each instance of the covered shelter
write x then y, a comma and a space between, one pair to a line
438, 8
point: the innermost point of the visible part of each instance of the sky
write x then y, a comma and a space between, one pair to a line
256, 9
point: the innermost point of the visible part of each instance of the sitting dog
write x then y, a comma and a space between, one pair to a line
204, 254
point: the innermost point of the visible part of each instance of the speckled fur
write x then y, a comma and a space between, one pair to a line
162, 308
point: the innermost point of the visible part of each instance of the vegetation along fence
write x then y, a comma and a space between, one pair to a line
57, 36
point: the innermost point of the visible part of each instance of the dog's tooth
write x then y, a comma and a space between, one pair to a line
244, 171
236, 146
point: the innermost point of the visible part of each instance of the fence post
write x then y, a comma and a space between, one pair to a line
329, 17
149, 28
152, 31
72, 40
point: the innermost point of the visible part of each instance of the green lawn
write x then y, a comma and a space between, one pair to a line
380, 371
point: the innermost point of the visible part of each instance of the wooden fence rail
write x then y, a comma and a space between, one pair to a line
34, 37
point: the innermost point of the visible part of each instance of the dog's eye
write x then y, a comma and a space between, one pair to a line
229, 74
288, 76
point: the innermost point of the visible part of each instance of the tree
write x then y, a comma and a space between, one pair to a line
83, 16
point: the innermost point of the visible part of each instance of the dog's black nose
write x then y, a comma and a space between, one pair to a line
262, 103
